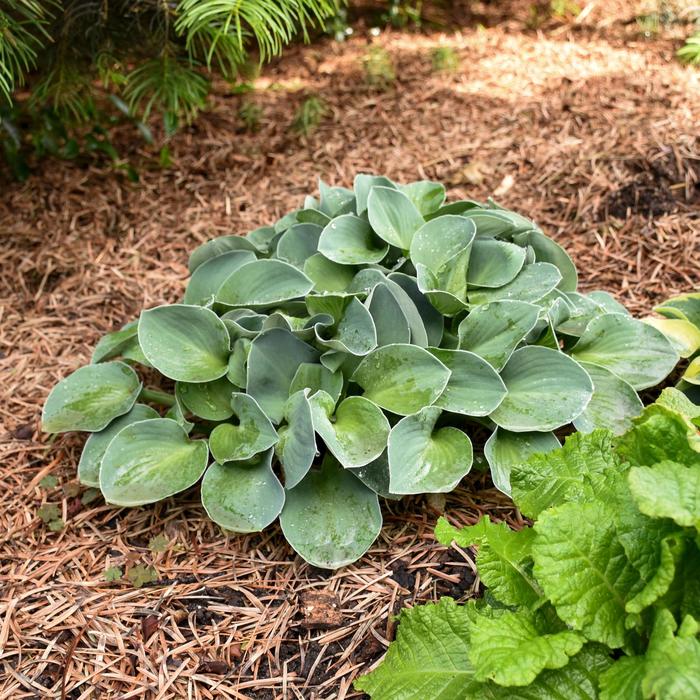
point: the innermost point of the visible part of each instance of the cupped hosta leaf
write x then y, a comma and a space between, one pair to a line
389, 319
393, 216
546, 389
296, 447
355, 333
273, 360
219, 246
114, 343
668, 490
458, 207
90, 398
401, 378
474, 387
349, 240
532, 283
208, 400
335, 200
505, 450
311, 215
493, 331
582, 310
426, 195
634, 351
185, 343
243, 496
490, 223
494, 263
316, 377
683, 306
96, 444
298, 243
375, 476
210, 275
237, 372
613, 406
549, 251
363, 185
149, 461
355, 432
251, 434
263, 283
607, 302
331, 518
425, 321
512, 648
262, 237
326, 275
684, 335
423, 459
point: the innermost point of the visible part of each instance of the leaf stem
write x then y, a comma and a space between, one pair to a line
155, 396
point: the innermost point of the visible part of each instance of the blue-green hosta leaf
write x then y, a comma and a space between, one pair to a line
363, 185
243, 323
336, 200
298, 243
429, 659
493, 331
389, 319
531, 284
549, 251
425, 321
296, 447
442, 247
314, 377
393, 216
243, 496
237, 371
546, 389
401, 378
210, 275
427, 196
583, 569
494, 263
251, 434
634, 351
474, 387
328, 276
355, 432
375, 476
263, 237
354, 334
672, 666
90, 398
149, 461
505, 450
96, 444
218, 246
349, 240
684, 336
311, 215
503, 560
113, 344
623, 679
607, 302
458, 207
262, 284
582, 310
281, 225
185, 343
579, 471
208, 400
331, 518
490, 223
423, 459
661, 434
614, 404
668, 490
513, 648
683, 306
273, 360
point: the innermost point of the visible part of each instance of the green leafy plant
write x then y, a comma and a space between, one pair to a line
343, 353
378, 68
690, 51
444, 59
600, 599
309, 115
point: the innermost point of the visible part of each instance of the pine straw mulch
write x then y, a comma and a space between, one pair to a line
590, 129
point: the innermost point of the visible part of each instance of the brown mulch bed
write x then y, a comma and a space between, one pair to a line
590, 129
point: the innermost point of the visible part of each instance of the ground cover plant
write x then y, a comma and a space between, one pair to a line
599, 599
347, 353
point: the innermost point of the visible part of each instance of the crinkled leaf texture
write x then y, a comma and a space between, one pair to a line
377, 330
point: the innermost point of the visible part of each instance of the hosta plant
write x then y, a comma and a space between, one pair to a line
343, 354
599, 599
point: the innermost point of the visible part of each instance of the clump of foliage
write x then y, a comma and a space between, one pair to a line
690, 51
444, 59
600, 599
343, 353
309, 115
250, 114
151, 56
378, 68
